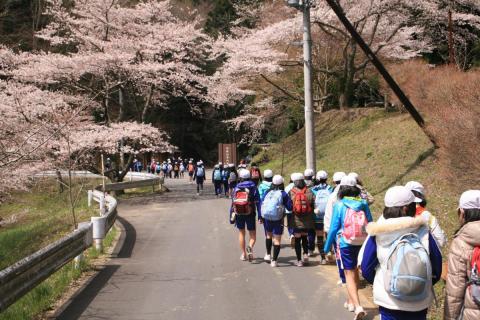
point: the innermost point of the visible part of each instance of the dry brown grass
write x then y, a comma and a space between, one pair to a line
450, 102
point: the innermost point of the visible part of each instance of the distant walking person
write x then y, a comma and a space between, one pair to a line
217, 179
191, 170
462, 299
199, 177
232, 179
225, 176
243, 213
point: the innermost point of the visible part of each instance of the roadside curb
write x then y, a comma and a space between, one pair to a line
87, 277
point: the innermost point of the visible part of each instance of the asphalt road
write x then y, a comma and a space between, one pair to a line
180, 260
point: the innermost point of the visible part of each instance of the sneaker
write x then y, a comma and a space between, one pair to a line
250, 253
300, 263
243, 257
360, 314
198, 193
292, 241
323, 261
273, 264
267, 257
305, 258
310, 253
349, 307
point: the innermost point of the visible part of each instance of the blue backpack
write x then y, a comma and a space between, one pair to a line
217, 175
200, 172
408, 270
321, 200
272, 206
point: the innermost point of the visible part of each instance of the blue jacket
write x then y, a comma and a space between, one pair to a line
338, 217
252, 187
263, 189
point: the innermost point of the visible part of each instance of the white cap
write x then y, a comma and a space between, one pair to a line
268, 173
348, 181
400, 196
322, 175
278, 180
220, 163
199, 163
231, 165
309, 173
470, 200
244, 174
415, 186
217, 166
337, 176
354, 175
297, 176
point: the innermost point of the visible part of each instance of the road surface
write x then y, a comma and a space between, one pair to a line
180, 260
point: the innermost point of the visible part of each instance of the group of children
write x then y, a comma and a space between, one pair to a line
399, 253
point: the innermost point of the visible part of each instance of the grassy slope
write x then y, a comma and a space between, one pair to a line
42, 216
386, 149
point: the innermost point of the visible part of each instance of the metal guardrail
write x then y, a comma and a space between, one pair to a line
26, 274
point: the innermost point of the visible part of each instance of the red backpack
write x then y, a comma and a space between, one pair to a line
301, 205
255, 174
242, 204
474, 279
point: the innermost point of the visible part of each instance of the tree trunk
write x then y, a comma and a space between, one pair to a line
60, 181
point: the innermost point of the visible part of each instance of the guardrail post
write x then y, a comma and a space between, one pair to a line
102, 205
98, 224
79, 259
90, 198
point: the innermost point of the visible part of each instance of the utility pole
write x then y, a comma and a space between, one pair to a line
304, 6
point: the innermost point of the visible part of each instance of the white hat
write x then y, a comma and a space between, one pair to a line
309, 173
354, 175
278, 180
199, 163
231, 165
337, 176
415, 186
217, 166
400, 196
470, 200
220, 163
348, 181
297, 176
244, 174
268, 173
322, 175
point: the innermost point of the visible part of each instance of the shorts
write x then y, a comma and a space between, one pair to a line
349, 256
300, 230
232, 185
319, 226
250, 221
387, 314
275, 227
190, 174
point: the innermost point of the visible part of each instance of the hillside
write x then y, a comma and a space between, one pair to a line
386, 149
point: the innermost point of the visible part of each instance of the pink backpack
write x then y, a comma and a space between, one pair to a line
354, 227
